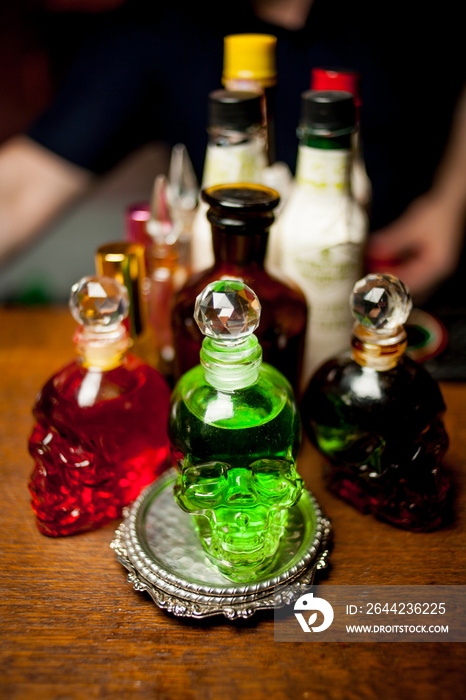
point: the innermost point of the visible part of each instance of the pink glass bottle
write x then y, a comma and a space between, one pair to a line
100, 434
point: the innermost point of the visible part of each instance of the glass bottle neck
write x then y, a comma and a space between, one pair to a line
234, 156
231, 366
267, 91
382, 353
101, 351
239, 249
324, 163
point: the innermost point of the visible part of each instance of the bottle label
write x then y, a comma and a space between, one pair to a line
323, 171
327, 277
239, 163
324, 269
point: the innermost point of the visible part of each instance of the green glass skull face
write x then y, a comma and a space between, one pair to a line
235, 432
241, 512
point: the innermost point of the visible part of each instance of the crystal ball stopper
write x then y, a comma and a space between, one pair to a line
227, 310
99, 303
380, 303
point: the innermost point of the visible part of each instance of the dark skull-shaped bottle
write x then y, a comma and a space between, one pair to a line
377, 416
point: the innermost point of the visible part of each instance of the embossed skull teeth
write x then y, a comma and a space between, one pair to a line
241, 512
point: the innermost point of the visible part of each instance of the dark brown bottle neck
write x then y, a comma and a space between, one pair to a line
239, 249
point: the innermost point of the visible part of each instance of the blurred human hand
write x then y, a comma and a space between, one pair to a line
422, 247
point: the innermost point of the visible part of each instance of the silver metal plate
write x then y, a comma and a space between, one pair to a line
159, 546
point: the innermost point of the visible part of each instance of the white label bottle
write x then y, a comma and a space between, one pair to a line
319, 238
236, 152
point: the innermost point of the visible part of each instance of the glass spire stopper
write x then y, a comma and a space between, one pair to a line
380, 303
99, 303
227, 310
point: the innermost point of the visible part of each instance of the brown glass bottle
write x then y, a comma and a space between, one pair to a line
241, 216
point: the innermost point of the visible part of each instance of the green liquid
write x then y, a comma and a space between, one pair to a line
236, 455
238, 428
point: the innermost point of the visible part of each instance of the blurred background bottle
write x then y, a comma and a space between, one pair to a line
167, 273
236, 152
319, 237
183, 198
126, 263
348, 81
249, 63
241, 216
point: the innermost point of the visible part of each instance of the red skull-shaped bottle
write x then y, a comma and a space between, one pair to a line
100, 435
376, 416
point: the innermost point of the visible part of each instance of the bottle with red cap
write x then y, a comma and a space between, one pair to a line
319, 237
344, 80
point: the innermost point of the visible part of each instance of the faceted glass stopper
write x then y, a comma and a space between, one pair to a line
380, 303
99, 303
227, 310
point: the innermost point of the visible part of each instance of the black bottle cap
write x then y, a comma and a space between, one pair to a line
234, 109
243, 197
237, 207
327, 112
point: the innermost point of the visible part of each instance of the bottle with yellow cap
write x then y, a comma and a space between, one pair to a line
249, 63
100, 434
236, 152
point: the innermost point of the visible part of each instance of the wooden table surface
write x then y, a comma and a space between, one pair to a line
72, 626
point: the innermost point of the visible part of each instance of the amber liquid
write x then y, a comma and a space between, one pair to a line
383, 437
98, 440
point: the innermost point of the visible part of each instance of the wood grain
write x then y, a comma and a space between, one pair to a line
72, 627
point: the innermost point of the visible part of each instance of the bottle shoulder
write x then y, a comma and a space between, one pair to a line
307, 213
268, 287
343, 387
259, 403
77, 385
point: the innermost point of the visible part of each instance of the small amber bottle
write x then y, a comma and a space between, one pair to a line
377, 416
241, 216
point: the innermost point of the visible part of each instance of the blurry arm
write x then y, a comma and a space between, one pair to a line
422, 247
35, 185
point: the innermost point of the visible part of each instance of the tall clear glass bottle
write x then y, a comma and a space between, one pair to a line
319, 237
235, 434
235, 153
241, 216
100, 434
377, 416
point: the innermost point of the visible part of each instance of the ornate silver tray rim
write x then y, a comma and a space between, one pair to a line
198, 607
145, 564
199, 601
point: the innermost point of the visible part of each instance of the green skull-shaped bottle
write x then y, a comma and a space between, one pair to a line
235, 432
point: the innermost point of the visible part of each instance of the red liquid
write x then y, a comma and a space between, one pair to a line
99, 439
